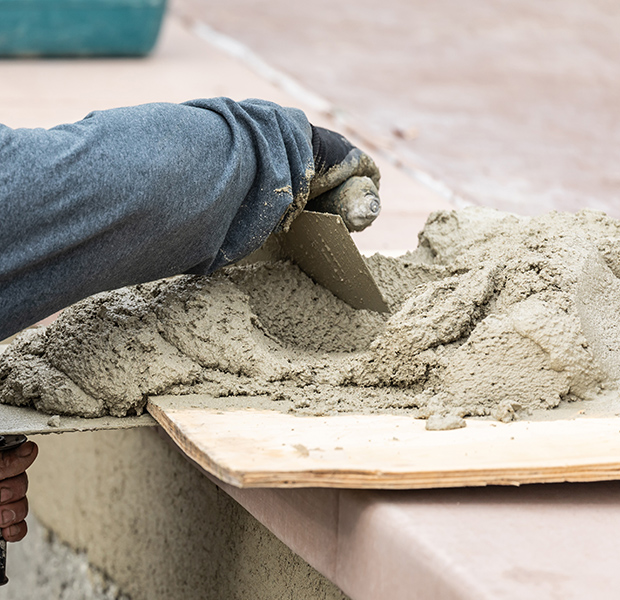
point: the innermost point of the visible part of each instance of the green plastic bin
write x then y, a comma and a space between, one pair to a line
79, 27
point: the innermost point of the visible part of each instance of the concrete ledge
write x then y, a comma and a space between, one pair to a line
465, 544
161, 529
156, 526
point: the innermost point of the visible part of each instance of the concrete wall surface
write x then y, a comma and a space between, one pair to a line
41, 567
156, 526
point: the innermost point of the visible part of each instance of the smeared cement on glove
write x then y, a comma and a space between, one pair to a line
493, 314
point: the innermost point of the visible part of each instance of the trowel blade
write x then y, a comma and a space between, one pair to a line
321, 246
28, 421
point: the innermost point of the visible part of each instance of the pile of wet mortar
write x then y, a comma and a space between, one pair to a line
492, 314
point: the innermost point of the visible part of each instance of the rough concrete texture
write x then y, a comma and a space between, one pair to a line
44, 568
158, 527
512, 104
493, 314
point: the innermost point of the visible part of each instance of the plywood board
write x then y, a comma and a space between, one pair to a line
260, 448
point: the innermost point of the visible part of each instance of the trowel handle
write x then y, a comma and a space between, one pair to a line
356, 201
7, 442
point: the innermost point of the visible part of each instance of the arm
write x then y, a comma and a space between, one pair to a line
135, 194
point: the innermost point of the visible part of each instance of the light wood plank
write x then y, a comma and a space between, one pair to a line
254, 448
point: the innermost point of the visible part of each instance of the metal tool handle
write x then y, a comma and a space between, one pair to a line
7, 442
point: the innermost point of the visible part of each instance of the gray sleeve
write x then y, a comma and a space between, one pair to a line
134, 194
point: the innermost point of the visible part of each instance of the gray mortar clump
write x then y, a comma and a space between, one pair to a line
492, 314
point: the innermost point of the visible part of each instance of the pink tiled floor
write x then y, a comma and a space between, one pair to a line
513, 104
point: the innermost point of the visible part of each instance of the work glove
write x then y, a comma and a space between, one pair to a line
345, 182
336, 160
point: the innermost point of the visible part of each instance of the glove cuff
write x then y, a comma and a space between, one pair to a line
328, 149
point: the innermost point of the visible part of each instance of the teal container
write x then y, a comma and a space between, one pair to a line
79, 27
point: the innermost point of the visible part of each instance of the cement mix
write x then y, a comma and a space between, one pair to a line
492, 314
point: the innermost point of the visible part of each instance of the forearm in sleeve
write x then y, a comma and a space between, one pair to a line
134, 194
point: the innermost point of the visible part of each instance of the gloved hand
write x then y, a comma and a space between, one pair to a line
336, 160
13, 487
346, 180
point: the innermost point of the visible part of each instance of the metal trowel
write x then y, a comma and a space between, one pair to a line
320, 244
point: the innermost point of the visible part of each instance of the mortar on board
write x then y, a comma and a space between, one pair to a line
493, 314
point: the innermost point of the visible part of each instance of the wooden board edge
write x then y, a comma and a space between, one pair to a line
190, 449
431, 480
394, 480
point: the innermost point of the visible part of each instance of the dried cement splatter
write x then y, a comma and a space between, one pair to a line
493, 314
